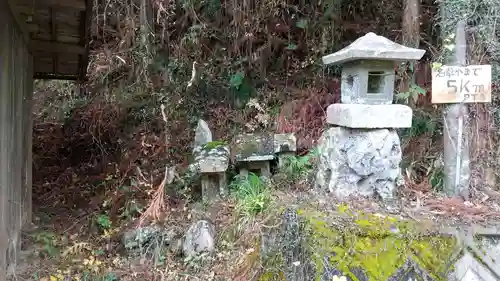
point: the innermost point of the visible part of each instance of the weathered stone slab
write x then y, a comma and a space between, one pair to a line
258, 158
212, 159
372, 46
254, 147
284, 143
469, 269
214, 186
369, 116
354, 162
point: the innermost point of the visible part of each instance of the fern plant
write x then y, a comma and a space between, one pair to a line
297, 168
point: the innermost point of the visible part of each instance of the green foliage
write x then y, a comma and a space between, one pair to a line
103, 221
242, 87
237, 80
423, 123
302, 23
90, 276
298, 167
252, 193
49, 243
436, 178
58, 99
111, 277
131, 210
412, 95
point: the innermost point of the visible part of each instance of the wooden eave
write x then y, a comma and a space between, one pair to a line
57, 33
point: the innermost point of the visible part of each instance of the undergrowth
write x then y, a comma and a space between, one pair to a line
297, 168
252, 193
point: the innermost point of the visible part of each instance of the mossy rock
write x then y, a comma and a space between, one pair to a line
317, 245
258, 145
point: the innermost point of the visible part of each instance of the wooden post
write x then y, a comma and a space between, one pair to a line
456, 145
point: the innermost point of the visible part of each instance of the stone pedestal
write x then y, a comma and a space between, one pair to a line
369, 116
212, 164
362, 157
213, 185
354, 162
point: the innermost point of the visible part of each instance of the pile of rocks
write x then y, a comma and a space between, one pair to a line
198, 238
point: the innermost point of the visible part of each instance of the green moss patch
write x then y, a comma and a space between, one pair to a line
214, 144
379, 245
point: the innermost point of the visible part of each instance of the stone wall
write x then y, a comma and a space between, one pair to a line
16, 82
312, 243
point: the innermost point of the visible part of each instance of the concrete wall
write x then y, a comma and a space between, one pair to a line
16, 90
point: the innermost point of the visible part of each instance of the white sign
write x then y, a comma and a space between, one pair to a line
461, 84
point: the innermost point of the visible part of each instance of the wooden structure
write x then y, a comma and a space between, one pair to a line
58, 33
45, 39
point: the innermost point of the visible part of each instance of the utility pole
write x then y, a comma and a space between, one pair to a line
455, 119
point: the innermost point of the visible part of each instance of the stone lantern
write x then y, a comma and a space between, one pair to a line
362, 152
368, 70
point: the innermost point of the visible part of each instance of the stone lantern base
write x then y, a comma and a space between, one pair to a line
370, 116
361, 156
354, 162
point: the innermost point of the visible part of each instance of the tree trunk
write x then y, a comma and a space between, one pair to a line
411, 38
146, 30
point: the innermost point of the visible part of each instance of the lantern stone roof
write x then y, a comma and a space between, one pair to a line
373, 47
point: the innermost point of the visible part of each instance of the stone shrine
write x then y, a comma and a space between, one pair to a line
361, 153
211, 161
254, 153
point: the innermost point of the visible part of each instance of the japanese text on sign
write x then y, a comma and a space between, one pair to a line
461, 84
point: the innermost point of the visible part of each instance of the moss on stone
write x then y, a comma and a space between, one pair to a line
253, 145
249, 148
370, 243
379, 245
214, 144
